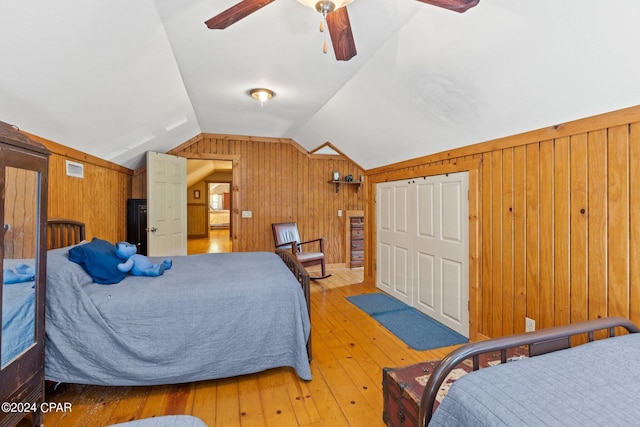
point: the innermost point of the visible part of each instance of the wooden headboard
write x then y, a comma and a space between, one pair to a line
64, 232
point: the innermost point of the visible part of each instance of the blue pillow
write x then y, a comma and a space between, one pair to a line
98, 258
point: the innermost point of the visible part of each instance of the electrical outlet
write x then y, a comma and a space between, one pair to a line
339, 212
247, 214
529, 325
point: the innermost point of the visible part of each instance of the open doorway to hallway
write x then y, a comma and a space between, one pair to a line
209, 205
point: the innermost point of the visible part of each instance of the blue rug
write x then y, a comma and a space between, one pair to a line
416, 329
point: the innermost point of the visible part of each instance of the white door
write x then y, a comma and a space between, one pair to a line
423, 250
166, 204
441, 250
394, 240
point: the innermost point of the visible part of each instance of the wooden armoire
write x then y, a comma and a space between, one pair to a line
23, 216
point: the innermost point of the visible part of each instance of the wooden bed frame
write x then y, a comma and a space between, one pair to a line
66, 232
303, 277
539, 342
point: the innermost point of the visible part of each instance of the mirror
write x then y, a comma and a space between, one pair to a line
19, 263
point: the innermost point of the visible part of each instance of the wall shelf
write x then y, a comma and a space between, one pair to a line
338, 183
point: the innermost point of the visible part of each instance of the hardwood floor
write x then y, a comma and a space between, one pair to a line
349, 351
218, 241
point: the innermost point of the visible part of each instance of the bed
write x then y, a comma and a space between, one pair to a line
596, 383
209, 316
219, 218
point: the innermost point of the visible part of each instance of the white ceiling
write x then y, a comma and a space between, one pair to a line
198, 169
117, 78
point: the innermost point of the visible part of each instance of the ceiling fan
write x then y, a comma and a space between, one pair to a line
335, 13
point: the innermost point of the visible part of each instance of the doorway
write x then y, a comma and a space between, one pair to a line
209, 183
219, 218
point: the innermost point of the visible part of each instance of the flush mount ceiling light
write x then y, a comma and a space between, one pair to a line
261, 94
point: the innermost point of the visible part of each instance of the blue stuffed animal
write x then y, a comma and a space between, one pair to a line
139, 265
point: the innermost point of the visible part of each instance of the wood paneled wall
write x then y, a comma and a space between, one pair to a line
197, 220
20, 212
99, 199
558, 222
278, 181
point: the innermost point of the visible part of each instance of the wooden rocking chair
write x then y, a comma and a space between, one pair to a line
286, 236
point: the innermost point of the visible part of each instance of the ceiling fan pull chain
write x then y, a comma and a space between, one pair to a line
325, 49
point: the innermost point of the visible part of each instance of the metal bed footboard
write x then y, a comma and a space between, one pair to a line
539, 342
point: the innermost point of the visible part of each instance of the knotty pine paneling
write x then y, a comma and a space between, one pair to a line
21, 206
561, 238
558, 229
519, 251
598, 220
634, 220
197, 219
278, 182
99, 199
578, 228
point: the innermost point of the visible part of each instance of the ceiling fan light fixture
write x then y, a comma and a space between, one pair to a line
325, 6
261, 94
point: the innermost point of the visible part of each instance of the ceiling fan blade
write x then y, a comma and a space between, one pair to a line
341, 36
236, 13
455, 5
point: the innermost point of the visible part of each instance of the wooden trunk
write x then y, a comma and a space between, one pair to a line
402, 387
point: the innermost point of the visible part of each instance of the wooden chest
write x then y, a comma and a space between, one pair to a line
357, 245
402, 387
357, 241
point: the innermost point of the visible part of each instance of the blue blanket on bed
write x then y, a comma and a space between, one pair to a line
214, 316
595, 384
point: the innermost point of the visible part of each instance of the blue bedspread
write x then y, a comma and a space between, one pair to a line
209, 316
595, 384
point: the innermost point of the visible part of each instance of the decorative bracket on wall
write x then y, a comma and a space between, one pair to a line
337, 183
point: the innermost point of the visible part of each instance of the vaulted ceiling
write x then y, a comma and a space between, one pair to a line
117, 78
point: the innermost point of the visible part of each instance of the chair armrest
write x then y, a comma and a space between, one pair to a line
293, 244
321, 240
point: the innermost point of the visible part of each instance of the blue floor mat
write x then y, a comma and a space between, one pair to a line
416, 329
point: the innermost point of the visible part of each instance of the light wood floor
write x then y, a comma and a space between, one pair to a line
219, 240
349, 351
